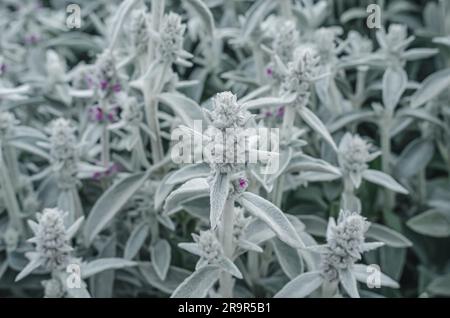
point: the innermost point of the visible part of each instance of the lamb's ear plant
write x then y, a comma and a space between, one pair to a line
128, 144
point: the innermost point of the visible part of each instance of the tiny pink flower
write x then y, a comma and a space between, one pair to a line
280, 111
116, 88
103, 85
243, 183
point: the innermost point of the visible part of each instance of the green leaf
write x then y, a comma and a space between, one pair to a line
185, 108
110, 203
273, 217
199, 283
440, 286
390, 237
316, 124
415, 157
301, 286
185, 173
394, 85
136, 240
204, 13
103, 264
193, 188
431, 87
383, 180
175, 276
289, 258
218, 197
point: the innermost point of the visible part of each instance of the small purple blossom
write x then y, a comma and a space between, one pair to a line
269, 71
268, 114
31, 39
243, 183
116, 88
96, 114
280, 112
104, 85
112, 170
97, 176
89, 81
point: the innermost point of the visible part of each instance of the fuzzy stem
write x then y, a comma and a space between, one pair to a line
157, 12
385, 128
105, 156
12, 206
226, 281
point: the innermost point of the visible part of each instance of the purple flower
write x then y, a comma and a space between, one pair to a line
97, 176
2, 68
116, 88
31, 39
280, 112
268, 113
243, 183
96, 114
104, 85
269, 71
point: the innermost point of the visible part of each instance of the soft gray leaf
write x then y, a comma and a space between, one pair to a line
175, 276
103, 264
433, 223
161, 256
348, 281
198, 283
110, 203
289, 258
218, 196
301, 286
273, 217
384, 180
316, 124
394, 84
363, 272
431, 87
415, 157
390, 237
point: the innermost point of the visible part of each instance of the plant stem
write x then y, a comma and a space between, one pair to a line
422, 186
157, 12
385, 128
105, 138
259, 62
226, 281
12, 206
151, 112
